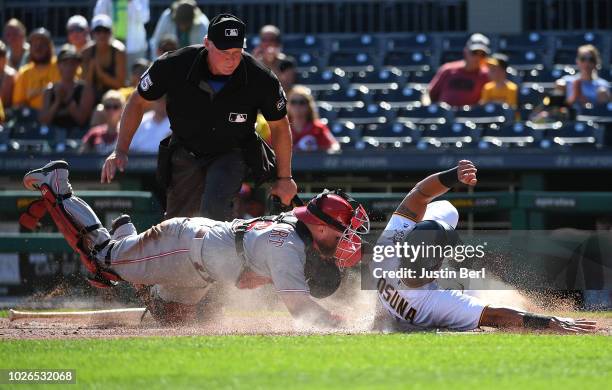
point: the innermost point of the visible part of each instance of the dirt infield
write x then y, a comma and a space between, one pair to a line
232, 324
260, 312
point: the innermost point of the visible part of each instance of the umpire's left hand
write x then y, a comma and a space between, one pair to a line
116, 160
285, 189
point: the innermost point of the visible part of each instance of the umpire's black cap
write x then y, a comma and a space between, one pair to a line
226, 31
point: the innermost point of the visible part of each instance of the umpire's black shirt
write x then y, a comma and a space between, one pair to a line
203, 121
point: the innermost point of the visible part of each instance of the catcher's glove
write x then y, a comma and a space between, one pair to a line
323, 276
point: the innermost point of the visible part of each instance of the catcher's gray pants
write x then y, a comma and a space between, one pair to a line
167, 255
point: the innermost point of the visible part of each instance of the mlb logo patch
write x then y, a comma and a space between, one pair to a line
231, 32
237, 118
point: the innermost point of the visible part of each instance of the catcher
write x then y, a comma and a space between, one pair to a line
174, 263
418, 303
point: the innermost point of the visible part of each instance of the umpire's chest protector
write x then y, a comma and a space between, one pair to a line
209, 122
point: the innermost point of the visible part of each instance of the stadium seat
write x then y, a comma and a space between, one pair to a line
399, 97
449, 134
306, 50
573, 41
483, 114
414, 60
450, 56
455, 43
600, 113
305, 42
252, 42
352, 61
325, 80
370, 114
420, 42
5, 137
364, 42
351, 97
572, 134
349, 136
531, 97
530, 41
382, 79
514, 134
524, 112
389, 134
421, 77
305, 60
526, 60
26, 133
346, 132
543, 77
425, 115
73, 140
565, 57
327, 112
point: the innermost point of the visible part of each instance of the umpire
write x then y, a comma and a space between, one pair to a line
213, 93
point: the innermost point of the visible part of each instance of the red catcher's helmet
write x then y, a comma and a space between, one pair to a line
341, 212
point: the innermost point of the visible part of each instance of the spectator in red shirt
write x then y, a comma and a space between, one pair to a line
309, 133
101, 139
460, 83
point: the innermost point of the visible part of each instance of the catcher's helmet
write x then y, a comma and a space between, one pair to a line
342, 213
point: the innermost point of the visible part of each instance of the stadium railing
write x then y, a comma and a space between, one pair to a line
324, 16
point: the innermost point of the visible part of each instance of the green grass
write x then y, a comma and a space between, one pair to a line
359, 361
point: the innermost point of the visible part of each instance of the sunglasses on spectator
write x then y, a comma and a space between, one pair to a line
111, 106
590, 59
479, 53
102, 30
298, 102
76, 29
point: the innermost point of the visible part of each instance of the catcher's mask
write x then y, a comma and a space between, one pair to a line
342, 213
436, 235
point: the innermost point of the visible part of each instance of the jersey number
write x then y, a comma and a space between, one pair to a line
146, 82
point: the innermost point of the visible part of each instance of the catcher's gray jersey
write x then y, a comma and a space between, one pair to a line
271, 249
183, 255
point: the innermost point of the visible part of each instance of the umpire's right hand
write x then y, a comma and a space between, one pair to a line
117, 159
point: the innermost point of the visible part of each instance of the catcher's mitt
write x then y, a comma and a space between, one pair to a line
323, 276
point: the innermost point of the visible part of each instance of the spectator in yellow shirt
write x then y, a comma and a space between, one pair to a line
499, 89
138, 68
34, 77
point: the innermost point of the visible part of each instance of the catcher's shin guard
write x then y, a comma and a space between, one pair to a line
73, 217
82, 230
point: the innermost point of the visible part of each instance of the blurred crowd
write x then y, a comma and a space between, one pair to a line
73, 95
482, 77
